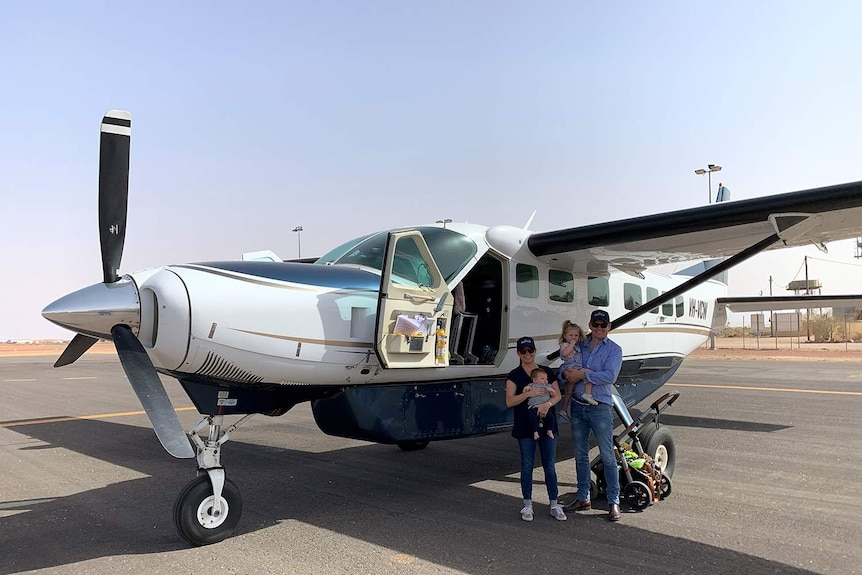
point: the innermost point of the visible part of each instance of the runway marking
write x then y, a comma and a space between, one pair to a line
24, 504
80, 417
10, 380
74, 378
784, 389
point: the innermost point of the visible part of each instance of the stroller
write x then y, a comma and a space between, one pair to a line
641, 480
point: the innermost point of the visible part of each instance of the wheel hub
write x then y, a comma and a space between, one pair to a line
207, 517
661, 457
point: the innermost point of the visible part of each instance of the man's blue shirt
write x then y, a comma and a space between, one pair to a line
605, 361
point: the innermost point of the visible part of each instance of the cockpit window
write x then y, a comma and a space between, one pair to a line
333, 255
451, 250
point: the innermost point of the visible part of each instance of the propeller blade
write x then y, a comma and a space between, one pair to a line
116, 136
150, 391
76, 348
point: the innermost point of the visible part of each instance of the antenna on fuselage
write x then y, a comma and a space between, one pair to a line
530, 221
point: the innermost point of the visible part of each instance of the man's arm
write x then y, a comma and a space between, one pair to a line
611, 365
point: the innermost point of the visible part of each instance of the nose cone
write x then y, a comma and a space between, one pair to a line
96, 309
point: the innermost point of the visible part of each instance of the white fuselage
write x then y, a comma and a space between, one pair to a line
240, 327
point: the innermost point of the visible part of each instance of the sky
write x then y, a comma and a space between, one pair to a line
249, 119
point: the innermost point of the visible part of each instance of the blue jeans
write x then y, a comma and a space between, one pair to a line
600, 419
548, 450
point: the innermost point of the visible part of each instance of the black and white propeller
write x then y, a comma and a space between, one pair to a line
110, 309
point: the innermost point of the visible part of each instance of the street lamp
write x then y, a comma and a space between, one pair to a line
710, 168
444, 222
298, 230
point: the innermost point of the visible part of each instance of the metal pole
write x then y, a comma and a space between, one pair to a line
709, 186
298, 230
772, 317
807, 310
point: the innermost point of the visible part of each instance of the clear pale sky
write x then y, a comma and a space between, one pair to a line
350, 117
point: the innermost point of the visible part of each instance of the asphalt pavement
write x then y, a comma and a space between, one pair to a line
766, 481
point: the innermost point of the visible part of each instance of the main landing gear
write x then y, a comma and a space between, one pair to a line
208, 509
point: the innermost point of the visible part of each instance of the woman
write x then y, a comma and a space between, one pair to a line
518, 392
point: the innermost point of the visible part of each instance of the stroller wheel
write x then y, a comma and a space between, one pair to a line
637, 495
665, 488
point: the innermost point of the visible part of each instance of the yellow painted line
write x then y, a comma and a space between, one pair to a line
80, 417
9, 380
76, 378
784, 389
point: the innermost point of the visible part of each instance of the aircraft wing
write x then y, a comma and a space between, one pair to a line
788, 302
809, 217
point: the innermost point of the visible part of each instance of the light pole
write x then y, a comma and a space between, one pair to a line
444, 222
710, 168
298, 230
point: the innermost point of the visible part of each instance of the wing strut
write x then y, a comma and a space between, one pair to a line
697, 280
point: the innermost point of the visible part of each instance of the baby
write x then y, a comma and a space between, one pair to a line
537, 423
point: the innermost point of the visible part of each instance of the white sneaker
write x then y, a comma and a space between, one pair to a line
589, 399
558, 513
527, 513
565, 415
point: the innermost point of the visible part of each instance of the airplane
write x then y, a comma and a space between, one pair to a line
406, 336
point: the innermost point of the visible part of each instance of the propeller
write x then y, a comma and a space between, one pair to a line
150, 391
115, 303
76, 348
116, 138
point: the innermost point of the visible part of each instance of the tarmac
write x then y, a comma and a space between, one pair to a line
766, 481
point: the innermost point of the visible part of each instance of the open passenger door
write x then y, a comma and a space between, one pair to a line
414, 309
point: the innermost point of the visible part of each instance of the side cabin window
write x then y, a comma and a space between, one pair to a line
527, 280
680, 306
561, 286
651, 294
633, 295
667, 308
598, 292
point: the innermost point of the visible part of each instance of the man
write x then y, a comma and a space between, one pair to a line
602, 361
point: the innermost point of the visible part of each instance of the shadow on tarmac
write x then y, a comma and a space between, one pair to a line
715, 423
423, 504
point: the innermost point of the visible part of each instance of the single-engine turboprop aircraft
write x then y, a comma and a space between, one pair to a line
406, 336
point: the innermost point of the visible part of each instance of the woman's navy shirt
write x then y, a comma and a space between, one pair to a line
521, 379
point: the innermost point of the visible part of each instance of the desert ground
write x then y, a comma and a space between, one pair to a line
764, 348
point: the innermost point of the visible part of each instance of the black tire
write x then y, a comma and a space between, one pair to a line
192, 512
665, 488
637, 495
659, 444
594, 490
417, 445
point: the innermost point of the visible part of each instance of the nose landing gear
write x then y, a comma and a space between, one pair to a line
208, 508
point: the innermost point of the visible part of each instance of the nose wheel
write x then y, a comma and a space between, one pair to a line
200, 518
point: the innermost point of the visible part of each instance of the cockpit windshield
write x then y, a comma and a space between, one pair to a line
451, 251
